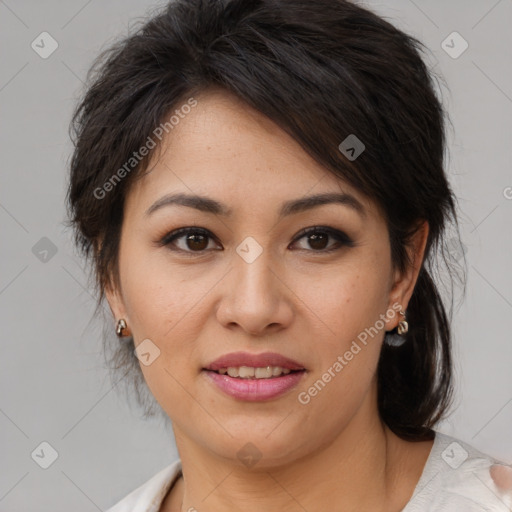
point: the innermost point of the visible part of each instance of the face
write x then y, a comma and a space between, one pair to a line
252, 279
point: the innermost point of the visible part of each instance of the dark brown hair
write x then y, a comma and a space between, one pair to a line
321, 70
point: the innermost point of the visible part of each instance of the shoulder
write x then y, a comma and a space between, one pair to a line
457, 477
149, 496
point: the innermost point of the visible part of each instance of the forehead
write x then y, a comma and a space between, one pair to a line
224, 148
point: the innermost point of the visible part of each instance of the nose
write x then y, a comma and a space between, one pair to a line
255, 297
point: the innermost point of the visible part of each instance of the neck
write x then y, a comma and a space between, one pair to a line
364, 467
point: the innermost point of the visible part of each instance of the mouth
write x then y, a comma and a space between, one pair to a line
247, 364
249, 384
254, 377
255, 373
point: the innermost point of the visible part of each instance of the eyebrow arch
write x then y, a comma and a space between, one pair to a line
208, 205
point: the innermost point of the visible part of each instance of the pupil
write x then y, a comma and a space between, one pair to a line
315, 238
192, 241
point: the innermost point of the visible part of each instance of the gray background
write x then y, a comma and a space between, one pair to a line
53, 384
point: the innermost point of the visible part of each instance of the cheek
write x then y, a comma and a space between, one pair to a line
163, 307
344, 308
158, 297
343, 301
347, 342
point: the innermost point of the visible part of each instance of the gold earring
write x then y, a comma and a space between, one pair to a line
403, 326
121, 324
396, 339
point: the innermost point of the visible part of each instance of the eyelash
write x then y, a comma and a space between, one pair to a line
341, 238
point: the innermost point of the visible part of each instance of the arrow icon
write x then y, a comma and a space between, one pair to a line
147, 352
352, 147
44, 455
249, 455
454, 45
249, 249
44, 250
44, 45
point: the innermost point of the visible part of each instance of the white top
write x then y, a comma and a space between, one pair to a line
455, 478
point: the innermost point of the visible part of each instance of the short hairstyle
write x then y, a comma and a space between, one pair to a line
321, 70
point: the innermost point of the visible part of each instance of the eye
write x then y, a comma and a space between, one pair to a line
194, 239
318, 236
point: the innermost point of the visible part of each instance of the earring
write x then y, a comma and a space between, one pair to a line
121, 324
395, 339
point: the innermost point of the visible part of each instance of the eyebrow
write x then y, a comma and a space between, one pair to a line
208, 205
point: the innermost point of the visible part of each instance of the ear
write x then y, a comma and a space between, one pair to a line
113, 294
405, 282
116, 303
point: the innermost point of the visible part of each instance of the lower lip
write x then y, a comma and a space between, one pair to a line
254, 390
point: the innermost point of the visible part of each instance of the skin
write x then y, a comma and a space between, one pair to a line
293, 299
502, 476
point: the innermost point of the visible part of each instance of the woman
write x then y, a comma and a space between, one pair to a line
260, 188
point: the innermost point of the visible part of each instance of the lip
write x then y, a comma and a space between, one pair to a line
254, 390
236, 359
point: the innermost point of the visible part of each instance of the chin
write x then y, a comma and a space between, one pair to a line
258, 448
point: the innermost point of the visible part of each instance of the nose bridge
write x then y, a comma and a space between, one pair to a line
253, 274
253, 298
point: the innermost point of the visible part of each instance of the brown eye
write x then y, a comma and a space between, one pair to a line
192, 239
318, 239
197, 242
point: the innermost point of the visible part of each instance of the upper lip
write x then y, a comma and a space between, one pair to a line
237, 359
